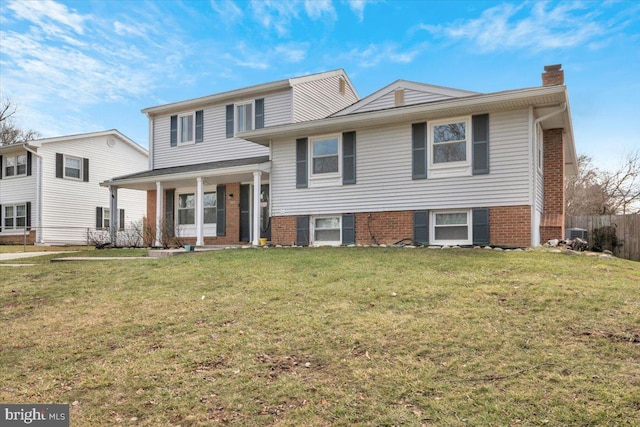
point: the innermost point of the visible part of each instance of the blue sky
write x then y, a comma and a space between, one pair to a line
84, 66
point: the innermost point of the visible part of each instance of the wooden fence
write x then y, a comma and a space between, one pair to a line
617, 233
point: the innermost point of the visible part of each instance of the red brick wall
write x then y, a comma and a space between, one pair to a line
552, 224
18, 239
510, 226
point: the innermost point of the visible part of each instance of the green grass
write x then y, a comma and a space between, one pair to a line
349, 336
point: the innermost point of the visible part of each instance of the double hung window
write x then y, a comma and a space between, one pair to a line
244, 117
187, 208
327, 230
72, 167
451, 227
325, 155
15, 217
185, 128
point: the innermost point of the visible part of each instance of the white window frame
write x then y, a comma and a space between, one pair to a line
106, 218
449, 169
14, 217
328, 178
178, 224
24, 155
192, 115
64, 166
6, 166
433, 226
315, 242
215, 207
236, 118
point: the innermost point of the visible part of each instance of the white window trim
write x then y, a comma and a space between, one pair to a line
105, 216
432, 227
64, 168
236, 121
324, 179
14, 229
189, 230
314, 242
450, 169
14, 167
191, 114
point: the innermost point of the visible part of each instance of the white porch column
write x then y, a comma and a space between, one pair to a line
255, 230
113, 215
159, 219
199, 212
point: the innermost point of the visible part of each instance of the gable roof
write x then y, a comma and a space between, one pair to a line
248, 91
431, 92
105, 133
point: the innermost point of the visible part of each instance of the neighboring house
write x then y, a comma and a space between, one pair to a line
411, 162
206, 185
50, 192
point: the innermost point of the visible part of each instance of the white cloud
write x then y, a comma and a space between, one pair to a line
227, 9
250, 57
317, 8
375, 54
46, 11
357, 6
527, 26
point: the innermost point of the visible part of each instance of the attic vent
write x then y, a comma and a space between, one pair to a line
342, 86
399, 97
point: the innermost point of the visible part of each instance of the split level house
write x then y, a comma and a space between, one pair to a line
50, 189
304, 161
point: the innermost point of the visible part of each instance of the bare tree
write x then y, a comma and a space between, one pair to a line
602, 192
10, 132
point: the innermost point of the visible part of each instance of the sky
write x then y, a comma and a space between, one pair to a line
84, 66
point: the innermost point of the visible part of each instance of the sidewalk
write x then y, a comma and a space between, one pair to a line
21, 255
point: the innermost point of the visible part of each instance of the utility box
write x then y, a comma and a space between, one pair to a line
572, 233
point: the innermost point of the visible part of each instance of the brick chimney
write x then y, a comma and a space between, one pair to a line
553, 75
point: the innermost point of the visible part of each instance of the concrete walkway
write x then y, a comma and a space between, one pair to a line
21, 255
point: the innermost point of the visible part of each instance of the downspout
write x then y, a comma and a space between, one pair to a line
534, 138
38, 194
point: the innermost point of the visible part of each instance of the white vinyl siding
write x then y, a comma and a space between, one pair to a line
320, 98
215, 145
384, 175
66, 217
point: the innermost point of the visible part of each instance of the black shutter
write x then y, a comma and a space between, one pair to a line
419, 150
28, 219
348, 229
481, 226
221, 218
421, 227
85, 170
259, 113
29, 156
121, 219
98, 217
302, 178
169, 203
59, 165
302, 231
173, 134
1, 171
229, 121
1, 215
199, 125
349, 158
480, 125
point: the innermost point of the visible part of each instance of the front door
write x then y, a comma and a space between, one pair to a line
245, 212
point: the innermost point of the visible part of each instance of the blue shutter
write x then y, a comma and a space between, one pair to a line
259, 122
121, 219
29, 160
174, 131
302, 231
302, 175
480, 125
98, 217
419, 150
199, 125
169, 216
59, 165
28, 219
421, 227
229, 120
348, 229
480, 220
221, 219
85, 170
349, 158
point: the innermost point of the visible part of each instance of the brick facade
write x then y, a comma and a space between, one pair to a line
509, 226
552, 223
18, 239
232, 212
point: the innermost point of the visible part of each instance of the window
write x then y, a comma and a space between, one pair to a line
185, 129
244, 117
327, 230
449, 142
72, 167
10, 167
451, 227
106, 217
325, 155
186, 209
15, 217
21, 168
210, 212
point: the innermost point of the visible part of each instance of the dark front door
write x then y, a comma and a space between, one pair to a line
245, 212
